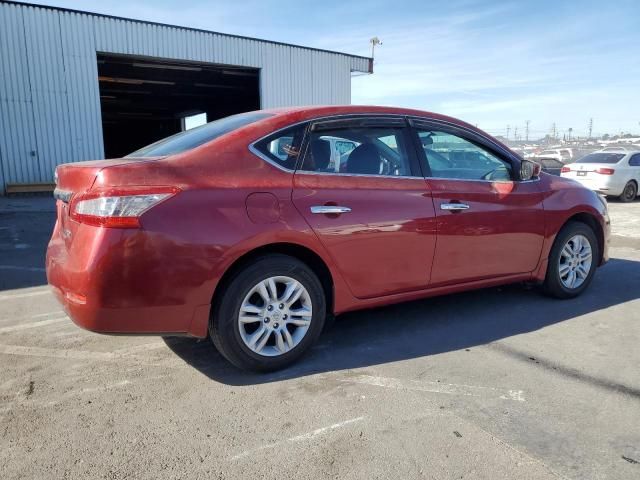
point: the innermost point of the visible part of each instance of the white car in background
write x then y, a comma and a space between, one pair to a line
613, 171
564, 155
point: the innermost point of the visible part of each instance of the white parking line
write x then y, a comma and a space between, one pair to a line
25, 326
17, 267
57, 353
299, 438
436, 387
47, 314
11, 296
68, 354
145, 347
30, 402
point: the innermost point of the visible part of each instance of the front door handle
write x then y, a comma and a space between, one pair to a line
329, 209
454, 207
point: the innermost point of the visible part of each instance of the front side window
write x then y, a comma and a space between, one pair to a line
358, 150
283, 147
450, 156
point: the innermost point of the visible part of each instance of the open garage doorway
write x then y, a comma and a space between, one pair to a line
144, 99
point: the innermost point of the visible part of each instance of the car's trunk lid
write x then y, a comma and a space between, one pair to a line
72, 178
586, 169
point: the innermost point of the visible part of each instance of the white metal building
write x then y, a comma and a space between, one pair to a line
77, 85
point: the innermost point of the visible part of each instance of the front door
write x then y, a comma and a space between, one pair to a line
368, 204
489, 223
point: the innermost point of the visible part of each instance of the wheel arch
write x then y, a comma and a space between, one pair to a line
592, 222
300, 252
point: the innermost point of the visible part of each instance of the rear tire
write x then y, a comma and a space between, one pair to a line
572, 262
258, 330
629, 193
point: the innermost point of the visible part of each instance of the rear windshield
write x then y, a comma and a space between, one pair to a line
183, 141
601, 157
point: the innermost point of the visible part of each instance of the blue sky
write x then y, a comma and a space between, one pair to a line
490, 63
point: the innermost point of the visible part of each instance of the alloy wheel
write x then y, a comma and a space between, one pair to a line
575, 261
275, 316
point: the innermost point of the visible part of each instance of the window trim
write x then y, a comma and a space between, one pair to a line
471, 136
411, 122
363, 121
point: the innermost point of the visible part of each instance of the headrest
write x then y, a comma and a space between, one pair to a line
364, 159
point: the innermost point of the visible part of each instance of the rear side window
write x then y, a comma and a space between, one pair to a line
283, 147
602, 157
183, 141
635, 160
358, 150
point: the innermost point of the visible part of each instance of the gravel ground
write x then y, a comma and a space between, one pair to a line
498, 383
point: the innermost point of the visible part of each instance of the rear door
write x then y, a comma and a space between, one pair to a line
373, 212
489, 223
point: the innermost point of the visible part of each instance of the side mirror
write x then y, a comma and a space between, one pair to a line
529, 170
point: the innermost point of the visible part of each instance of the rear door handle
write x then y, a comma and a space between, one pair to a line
454, 207
324, 209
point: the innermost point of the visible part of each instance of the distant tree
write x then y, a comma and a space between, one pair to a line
605, 136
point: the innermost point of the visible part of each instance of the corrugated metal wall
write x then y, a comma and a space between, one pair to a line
49, 97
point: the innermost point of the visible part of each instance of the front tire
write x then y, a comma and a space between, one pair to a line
629, 193
268, 314
572, 261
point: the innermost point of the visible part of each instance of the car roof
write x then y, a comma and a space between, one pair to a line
621, 149
329, 110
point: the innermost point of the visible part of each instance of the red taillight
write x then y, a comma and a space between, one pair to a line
565, 169
605, 171
117, 207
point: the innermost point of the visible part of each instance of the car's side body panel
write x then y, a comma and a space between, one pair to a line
385, 244
161, 278
563, 200
501, 233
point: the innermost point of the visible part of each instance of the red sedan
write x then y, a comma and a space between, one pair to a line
255, 228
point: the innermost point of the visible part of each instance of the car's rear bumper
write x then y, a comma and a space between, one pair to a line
606, 185
169, 320
118, 281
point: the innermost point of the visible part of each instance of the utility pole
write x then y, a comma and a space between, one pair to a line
374, 41
508, 130
590, 127
526, 130
554, 131
515, 134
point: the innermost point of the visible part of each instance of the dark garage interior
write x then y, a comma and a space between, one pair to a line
144, 99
